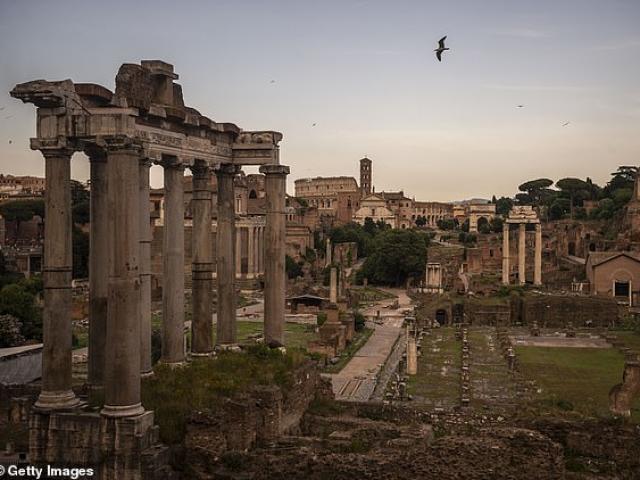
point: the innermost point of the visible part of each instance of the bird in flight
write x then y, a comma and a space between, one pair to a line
313, 125
519, 106
441, 48
272, 81
565, 124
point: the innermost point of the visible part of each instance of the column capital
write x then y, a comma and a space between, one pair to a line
145, 162
227, 169
56, 147
275, 169
200, 168
172, 163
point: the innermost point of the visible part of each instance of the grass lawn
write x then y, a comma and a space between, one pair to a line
630, 339
295, 335
576, 379
438, 380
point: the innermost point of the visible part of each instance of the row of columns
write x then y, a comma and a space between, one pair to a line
120, 270
537, 259
254, 253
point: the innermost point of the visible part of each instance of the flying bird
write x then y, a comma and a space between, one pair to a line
441, 48
519, 106
313, 125
272, 81
565, 124
10, 142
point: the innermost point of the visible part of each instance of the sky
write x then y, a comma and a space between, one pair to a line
365, 73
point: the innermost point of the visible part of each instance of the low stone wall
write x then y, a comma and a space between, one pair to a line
556, 311
257, 419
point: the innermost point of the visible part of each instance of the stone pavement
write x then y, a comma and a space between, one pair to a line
357, 380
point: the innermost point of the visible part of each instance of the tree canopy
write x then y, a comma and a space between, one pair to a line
396, 256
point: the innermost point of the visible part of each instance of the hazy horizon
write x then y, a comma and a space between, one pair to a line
365, 73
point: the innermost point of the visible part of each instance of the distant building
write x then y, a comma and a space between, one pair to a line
366, 174
336, 198
375, 207
614, 274
11, 185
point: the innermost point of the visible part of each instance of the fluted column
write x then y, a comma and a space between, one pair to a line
202, 268
122, 364
56, 392
251, 259
146, 367
173, 264
522, 247
98, 267
505, 253
274, 272
225, 256
328, 253
238, 248
261, 250
537, 266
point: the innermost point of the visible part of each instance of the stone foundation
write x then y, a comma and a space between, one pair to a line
115, 448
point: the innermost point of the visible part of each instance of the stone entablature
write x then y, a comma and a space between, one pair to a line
147, 109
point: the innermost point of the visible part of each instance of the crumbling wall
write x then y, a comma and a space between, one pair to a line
556, 311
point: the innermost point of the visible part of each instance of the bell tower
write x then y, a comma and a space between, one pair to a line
365, 176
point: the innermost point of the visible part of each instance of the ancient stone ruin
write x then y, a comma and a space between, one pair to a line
144, 121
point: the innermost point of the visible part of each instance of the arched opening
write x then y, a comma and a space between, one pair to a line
253, 194
572, 248
592, 247
441, 316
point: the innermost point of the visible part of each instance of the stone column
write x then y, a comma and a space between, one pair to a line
202, 268
328, 253
251, 259
122, 366
333, 285
173, 264
98, 267
261, 251
238, 248
522, 247
505, 254
274, 269
56, 392
537, 267
226, 264
146, 367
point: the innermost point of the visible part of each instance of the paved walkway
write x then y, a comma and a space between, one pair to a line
357, 380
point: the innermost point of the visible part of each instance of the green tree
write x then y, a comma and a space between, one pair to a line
293, 268
17, 301
496, 224
396, 256
80, 253
573, 188
534, 189
503, 206
19, 211
421, 221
